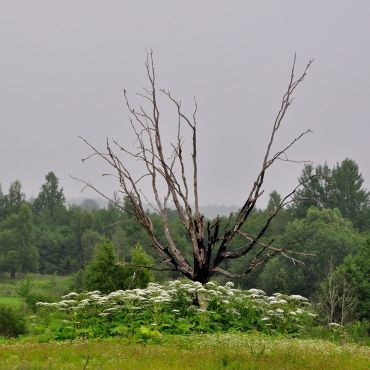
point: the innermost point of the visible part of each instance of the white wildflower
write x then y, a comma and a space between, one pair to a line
211, 284
298, 297
277, 294
70, 295
334, 325
202, 290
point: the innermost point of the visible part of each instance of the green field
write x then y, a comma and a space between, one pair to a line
227, 351
14, 301
202, 351
52, 285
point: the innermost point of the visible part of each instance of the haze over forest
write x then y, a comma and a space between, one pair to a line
64, 67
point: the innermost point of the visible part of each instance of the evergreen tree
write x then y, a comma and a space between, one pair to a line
51, 198
105, 274
340, 187
102, 273
137, 275
315, 190
12, 202
347, 192
274, 201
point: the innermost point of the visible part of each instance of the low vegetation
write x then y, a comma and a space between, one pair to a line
114, 319
217, 351
174, 308
205, 327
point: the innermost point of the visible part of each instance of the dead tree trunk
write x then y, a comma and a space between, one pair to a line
210, 247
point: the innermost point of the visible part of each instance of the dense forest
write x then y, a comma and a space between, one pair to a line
328, 221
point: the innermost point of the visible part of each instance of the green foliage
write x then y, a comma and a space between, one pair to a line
12, 321
347, 192
106, 274
18, 252
340, 187
102, 272
138, 275
89, 241
323, 233
50, 199
25, 287
195, 352
179, 308
57, 239
314, 191
359, 331
11, 202
336, 300
356, 270
58, 250
275, 277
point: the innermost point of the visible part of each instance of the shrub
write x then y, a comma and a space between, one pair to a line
181, 308
12, 321
103, 273
138, 277
29, 296
32, 298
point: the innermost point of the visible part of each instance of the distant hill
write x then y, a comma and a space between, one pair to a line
210, 211
88, 203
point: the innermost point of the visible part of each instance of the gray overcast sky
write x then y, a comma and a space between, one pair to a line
64, 64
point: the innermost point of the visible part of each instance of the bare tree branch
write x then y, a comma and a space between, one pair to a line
169, 165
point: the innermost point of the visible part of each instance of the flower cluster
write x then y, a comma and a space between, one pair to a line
184, 307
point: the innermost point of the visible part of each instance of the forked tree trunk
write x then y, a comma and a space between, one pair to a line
210, 248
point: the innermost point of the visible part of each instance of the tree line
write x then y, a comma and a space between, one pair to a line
328, 221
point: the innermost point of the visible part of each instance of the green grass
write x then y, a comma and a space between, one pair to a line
13, 301
227, 351
48, 285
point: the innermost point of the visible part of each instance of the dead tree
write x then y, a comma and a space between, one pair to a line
336, 301
210, 246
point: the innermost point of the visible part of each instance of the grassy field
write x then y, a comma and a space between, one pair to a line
47, 284
227, 351
14, 301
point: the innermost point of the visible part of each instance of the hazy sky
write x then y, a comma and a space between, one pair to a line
64, 64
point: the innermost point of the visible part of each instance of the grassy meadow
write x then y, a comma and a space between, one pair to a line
216, 351
14, 301
48, 285
227, 350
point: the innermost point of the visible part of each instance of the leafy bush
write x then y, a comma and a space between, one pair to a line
29, 296
180, 308
103, 273
34, 297
12, 321
138, 277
